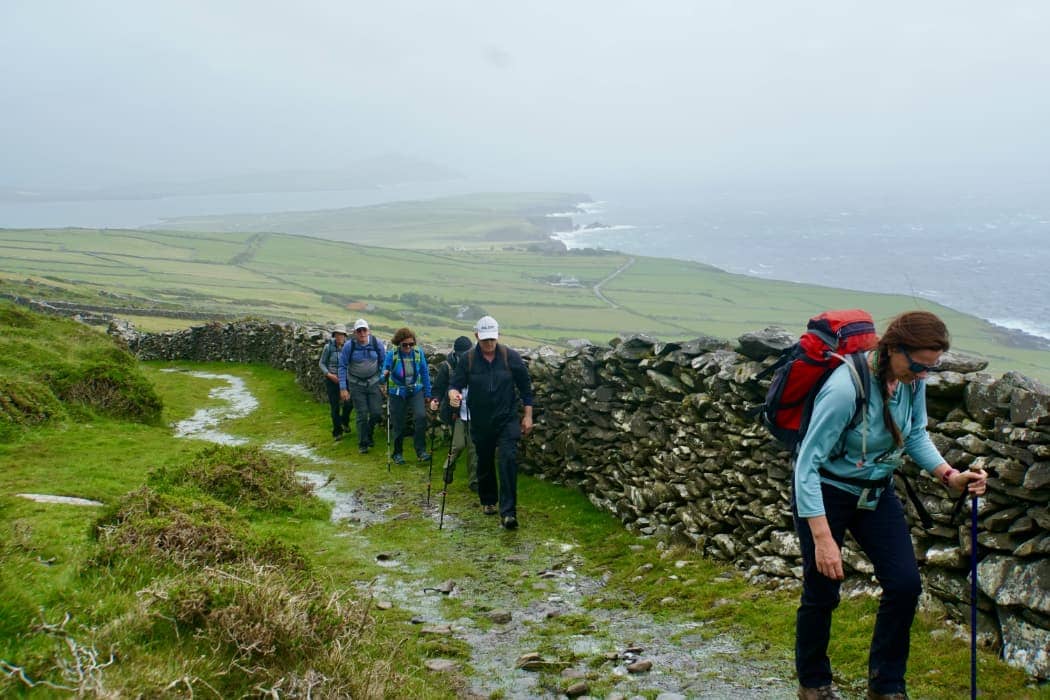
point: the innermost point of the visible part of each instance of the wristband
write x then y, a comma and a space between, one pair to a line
947, 476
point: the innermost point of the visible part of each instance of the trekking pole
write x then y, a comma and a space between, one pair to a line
430, 468
388, 434
973, 598
450, 464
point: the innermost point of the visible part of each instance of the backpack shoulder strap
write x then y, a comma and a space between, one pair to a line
503, 354
860, 373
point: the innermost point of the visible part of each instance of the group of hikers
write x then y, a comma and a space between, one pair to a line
843, 468
360, 370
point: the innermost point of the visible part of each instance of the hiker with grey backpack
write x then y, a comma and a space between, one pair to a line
846, 457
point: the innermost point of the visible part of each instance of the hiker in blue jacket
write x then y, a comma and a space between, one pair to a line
407, 386
329, 363
360, 371
825, 506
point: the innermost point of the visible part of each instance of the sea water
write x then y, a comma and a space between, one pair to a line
980, 258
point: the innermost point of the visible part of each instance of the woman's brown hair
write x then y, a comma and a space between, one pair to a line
912, 330
402, 334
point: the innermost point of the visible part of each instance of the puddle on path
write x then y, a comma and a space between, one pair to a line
300, 451
65, 500
202, 424
684, 659
346, 506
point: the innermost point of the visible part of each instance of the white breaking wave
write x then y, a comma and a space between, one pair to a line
578, 238
1014, 324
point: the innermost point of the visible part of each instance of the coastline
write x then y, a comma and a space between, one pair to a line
1012, 332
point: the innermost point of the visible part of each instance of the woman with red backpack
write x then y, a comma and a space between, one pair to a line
843, 482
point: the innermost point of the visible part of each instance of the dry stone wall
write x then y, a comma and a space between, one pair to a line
662, 436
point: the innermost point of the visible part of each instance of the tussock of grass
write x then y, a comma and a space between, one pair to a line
182, 530
49, 365
112, 389
24, 403
242, 476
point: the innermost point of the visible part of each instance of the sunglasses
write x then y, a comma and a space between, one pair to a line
360, 330
917, 367
408, 345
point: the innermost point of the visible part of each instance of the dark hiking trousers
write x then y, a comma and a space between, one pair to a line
368, 403
399, 406
486, 441
340, 409
883, 536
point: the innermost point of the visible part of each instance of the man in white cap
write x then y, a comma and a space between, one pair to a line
360, 369
329, 363
496, 379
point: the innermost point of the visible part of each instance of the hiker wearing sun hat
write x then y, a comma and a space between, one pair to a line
496, 378
329, 363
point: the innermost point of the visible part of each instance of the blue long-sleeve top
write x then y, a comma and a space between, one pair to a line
361, 363
395, 366
824, 441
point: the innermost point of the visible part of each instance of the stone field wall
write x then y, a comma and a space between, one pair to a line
661, 435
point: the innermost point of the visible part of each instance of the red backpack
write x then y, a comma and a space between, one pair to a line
830, 339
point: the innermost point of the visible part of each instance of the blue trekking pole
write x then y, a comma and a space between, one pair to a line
973, 598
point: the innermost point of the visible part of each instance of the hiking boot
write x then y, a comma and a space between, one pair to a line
824, 692
489, 510
872, 695
510, 523
363, 449
337, 437
397, 459
424, 456
473, 486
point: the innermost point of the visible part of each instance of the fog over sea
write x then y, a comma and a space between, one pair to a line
988, 257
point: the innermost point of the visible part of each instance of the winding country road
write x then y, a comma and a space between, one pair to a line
598, 287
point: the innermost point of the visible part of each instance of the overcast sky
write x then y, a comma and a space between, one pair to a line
562, 91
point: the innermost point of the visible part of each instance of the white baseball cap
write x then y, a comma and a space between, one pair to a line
360, 323
487, 328
339, 328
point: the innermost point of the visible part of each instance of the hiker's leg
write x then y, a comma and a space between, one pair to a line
359, 394
508, 469
485, 444
334, 404
460, 439
419, 417
398, 404
820, 594
472, 460
375, 410
883, 535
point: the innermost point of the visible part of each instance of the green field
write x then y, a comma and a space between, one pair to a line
436, 275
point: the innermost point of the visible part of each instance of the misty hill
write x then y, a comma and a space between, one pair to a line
370, 173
